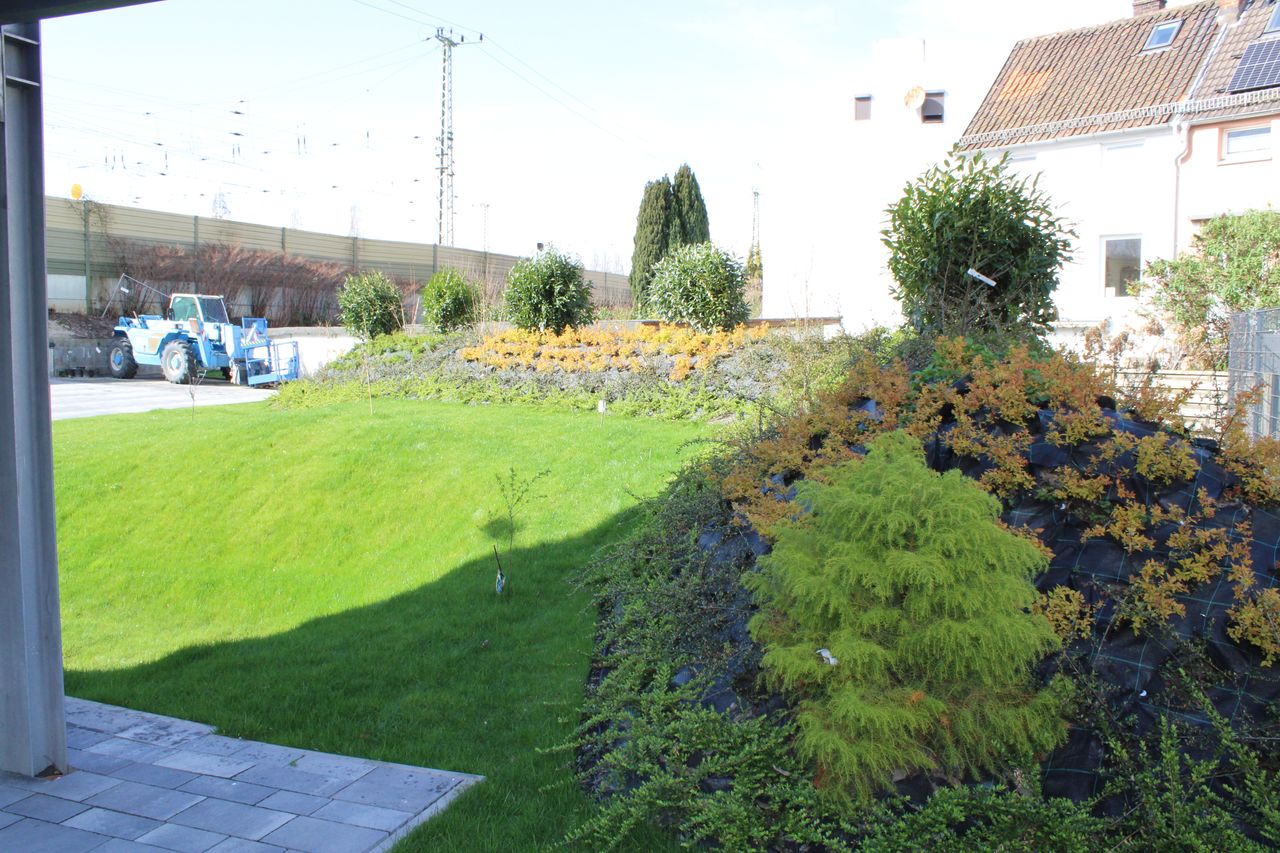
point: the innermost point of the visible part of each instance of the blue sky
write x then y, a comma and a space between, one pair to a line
560, 116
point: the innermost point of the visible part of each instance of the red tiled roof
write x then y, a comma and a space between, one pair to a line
1083, 78
1222, 66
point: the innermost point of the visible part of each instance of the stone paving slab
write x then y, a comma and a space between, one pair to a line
142, 783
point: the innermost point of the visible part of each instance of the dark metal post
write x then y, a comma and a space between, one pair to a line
32, 715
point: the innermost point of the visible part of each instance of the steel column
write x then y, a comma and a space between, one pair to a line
32, 716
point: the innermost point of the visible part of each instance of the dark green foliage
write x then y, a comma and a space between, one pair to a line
958, 820
690, 208
671, 215
700, 285
969, 212
907, 579
369, 304
448, 301
653, 235
1231, 267
548, 292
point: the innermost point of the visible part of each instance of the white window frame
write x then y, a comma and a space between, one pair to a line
1265, 152
862, 103
1107, 292
1273, 25
1172, 27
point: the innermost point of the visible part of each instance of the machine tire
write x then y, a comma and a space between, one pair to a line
178, 361
120, 359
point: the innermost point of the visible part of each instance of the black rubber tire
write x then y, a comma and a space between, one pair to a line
178, 361
120, 359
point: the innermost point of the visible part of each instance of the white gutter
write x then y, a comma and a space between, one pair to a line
997, 138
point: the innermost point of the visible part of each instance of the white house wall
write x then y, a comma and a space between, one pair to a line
1118, 186
1214, 184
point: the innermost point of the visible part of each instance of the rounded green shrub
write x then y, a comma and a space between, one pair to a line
896, 612
369, 305
701, 285
972, 213
548, 292
448, 301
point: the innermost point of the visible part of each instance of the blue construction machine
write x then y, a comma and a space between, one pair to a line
195, 335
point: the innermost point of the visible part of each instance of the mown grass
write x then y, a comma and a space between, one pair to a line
323, 578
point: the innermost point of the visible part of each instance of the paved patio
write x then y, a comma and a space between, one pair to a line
143, 783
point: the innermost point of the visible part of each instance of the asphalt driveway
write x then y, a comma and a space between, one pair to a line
82, 398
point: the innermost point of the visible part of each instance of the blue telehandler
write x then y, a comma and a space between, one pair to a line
195, 334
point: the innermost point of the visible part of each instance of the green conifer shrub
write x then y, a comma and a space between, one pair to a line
693, 225
920, 599
448, 301
653, 236
700, 285
548, 292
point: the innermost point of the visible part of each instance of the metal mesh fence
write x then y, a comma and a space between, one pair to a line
1254, 363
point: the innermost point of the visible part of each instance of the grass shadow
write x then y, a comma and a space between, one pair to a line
449, 675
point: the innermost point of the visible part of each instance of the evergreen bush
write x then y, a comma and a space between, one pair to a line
369, 304
448, 301
701, 285
970, 213
920, 601
548, 292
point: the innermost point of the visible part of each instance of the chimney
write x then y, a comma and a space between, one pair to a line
1229, 10
1142, 7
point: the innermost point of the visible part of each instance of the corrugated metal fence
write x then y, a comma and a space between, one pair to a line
79, 235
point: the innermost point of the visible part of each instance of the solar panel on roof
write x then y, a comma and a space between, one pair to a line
1258, 68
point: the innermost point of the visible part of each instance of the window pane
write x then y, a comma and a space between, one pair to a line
1124, 264
861, 109
1162, 35
932, 109
1249, 139
1274, 23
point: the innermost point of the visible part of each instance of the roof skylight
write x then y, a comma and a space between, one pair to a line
1162, 35
1273, 25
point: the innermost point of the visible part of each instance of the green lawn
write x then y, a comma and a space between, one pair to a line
324, 579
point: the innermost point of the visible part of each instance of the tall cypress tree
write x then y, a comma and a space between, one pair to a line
654, 227
690, 209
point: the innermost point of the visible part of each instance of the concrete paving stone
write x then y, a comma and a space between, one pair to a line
293, 802
333, 766
164, 731
37, 836
395, 788
145, 800
44, 807
359, 814
81, 738
236, 819
120, 845
76, 785
96, 762
150, 774
6, 819
184, 839
291, 779
114, 824
269, 753
11, 793
204, 764
244, 845
131, 749
100, 718
228, 789
216, 745
308, 833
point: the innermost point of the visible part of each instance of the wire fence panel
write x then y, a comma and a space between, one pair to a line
1254, 367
